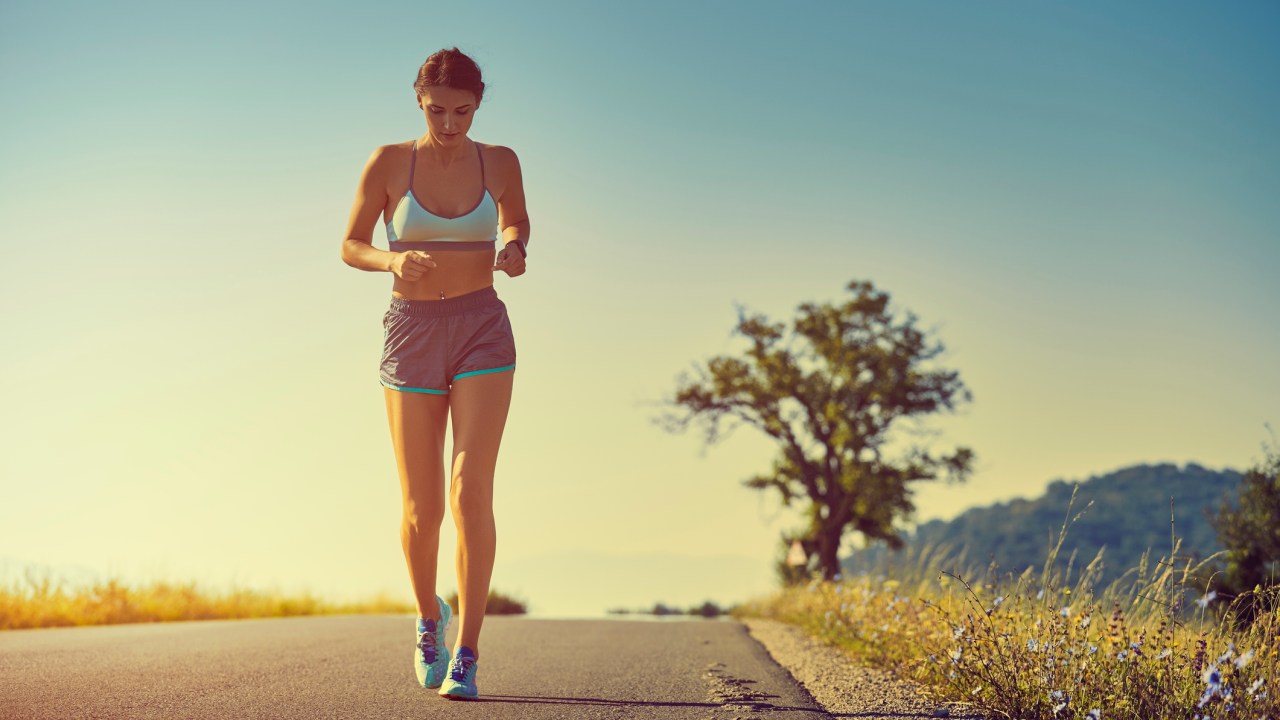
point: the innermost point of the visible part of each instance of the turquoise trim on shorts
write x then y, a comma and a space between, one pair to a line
484, 372
430, 344
429, 391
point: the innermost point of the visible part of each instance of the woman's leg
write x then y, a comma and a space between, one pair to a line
479, 406
417, 423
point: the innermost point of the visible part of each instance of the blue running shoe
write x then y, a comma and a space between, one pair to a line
430, 658
461, 683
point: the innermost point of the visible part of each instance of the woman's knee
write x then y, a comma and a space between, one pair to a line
422, 516
471, 495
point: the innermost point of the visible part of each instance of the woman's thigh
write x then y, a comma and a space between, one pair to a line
479, 406
417, 423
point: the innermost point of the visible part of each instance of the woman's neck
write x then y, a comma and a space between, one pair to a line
444, 155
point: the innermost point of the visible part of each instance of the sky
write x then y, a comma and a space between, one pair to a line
1075, 199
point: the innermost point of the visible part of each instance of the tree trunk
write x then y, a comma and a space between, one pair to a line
828, 546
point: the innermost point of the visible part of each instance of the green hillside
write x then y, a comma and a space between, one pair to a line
1130, 513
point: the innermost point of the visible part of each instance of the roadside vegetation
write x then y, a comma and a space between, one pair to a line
1051, 643
41, 602
1174, 637
497, 604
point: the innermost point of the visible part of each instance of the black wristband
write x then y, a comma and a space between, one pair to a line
520, 246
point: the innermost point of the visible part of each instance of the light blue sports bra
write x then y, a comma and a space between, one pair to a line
413, 227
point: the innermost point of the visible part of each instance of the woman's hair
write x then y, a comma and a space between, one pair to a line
452, 68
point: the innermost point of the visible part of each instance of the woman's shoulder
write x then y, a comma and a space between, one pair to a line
497, 152
391, 153
500, 157
394, 148
502, 168
398, 149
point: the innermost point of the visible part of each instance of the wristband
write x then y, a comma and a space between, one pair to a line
519, 246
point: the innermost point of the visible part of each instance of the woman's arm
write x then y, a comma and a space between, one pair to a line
513, 218
371, 197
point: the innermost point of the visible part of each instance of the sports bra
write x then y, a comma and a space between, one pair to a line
413, 227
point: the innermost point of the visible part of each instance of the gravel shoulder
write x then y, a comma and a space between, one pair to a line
842, 687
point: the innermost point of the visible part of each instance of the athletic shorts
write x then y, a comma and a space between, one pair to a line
429, 344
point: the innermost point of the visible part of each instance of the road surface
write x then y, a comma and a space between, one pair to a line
360, 666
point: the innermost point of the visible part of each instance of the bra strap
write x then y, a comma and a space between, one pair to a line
413, 160
480, 152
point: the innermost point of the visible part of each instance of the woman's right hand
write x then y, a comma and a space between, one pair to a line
411, 265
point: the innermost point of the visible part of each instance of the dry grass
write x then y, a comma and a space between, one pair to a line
42, 602
1040, 646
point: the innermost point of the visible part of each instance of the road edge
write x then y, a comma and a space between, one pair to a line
838, 684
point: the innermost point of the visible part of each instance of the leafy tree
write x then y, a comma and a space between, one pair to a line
828, 393
1249, 529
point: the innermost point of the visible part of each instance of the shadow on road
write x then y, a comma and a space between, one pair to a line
536, 699
880, 714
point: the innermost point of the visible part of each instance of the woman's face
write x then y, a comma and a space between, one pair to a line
449, 112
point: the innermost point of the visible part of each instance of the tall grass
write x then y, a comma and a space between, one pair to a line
39, 602
1047, 643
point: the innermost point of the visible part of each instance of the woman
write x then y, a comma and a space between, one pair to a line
448, 346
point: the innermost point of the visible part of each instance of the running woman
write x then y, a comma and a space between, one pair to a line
448, 348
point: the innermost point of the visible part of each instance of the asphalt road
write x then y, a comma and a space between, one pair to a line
360, 666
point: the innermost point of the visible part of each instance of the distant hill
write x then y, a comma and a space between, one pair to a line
1130, 513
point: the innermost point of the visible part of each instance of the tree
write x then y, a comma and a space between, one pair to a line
828, 395
1249, 530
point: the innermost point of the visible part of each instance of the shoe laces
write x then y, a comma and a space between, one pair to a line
461, 666
427, 644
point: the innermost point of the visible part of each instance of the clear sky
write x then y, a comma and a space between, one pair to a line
1078, 198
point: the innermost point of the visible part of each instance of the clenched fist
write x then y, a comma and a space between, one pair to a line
510, 260
411, 265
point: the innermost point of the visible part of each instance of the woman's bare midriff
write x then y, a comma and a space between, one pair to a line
457, 272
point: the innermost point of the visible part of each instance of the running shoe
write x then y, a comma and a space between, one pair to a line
430, 658
461, 683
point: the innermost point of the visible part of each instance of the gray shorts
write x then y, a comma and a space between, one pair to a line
429, 344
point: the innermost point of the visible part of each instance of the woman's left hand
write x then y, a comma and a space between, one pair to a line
510, 261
